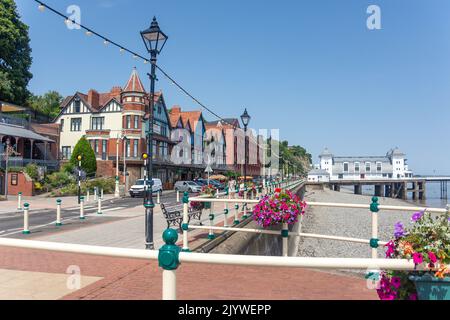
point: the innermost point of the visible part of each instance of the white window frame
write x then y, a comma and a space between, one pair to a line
357, 164
370, 167
348, 167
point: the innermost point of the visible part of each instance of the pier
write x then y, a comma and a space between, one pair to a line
395, 188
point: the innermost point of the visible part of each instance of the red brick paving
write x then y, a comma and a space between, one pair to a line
129, 279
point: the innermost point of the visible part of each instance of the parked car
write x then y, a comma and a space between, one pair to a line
187, 186
216, 184
138, 189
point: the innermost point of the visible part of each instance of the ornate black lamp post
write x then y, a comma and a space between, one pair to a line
245, 121
154, 40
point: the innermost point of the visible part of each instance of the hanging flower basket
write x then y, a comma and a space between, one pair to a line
426, 243
197, 205
283, 207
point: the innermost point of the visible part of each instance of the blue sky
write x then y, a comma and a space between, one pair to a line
310, 68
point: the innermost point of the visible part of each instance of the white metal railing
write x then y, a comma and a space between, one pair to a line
169, 259
233, 199
374, 208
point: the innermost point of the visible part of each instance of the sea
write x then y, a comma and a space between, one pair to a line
433, 197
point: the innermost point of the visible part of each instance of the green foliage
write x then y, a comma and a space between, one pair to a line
88, 162
15, 55
59, 179
32, 171
47, 105
68, 168
71, 189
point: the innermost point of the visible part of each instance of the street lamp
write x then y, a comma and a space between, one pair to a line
79, 158
154, 40
245, 121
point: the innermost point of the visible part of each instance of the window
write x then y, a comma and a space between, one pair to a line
357, 167
379, 167
14, 179
128, 125
77, 106
127, 148
345, 166
98, 123
66, 152
136, 122
62, 125
104, 149
75, 125
96, 146
368, 167
135, 148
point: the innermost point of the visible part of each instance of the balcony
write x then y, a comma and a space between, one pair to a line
18, 162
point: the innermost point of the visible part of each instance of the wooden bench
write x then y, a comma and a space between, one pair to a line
174, 215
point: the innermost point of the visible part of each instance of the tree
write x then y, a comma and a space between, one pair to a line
47, 105
88, 161
15, 55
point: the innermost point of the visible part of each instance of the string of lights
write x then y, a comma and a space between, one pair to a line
107, 41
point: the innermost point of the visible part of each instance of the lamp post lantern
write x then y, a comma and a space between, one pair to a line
154, 40
245, 121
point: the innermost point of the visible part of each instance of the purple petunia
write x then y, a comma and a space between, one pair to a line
417, 216
399, 230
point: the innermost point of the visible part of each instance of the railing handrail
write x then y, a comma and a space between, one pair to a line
223, 259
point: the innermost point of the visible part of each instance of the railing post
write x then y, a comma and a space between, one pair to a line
26, 227
212, 216
178, 196
169, 260
58, 213
244, 207
99, 209
158, 197
87, 196
285, 235
102, 193
374, 242
95, 194
236, 214
19, 201
226, 211
185, 225
82, 217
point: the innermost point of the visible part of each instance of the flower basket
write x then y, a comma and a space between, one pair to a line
431, 288
197, 205
427, 244
283, 207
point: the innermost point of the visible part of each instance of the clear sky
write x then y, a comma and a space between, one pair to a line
310, 68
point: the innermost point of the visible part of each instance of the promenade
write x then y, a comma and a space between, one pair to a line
106, 278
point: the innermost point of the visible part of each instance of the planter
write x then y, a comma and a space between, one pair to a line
432, 288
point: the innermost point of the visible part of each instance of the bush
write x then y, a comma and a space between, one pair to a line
88, 161
59, 179
68, 168
32, 171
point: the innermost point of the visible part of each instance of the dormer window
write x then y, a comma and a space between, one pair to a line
77, 105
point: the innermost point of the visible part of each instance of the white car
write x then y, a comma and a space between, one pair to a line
138, 189
189, 186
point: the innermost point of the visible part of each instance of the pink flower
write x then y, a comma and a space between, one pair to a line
432, 257
417, 258
390, 249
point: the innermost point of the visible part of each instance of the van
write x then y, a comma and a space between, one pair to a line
138, 189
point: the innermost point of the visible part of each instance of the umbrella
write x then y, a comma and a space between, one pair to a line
218, 177
246, 178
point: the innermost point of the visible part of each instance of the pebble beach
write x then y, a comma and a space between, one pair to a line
355, 223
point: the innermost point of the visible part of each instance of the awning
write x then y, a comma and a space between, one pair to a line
15, 131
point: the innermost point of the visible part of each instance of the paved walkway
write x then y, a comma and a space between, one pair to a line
128, 279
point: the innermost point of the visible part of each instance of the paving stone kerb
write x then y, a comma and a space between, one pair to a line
129, 279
